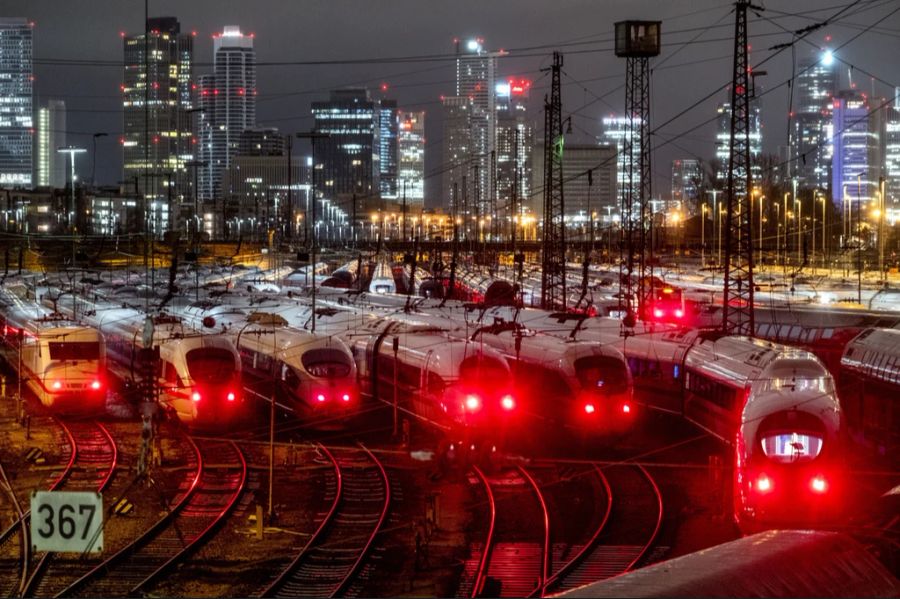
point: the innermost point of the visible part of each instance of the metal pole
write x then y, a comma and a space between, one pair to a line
858, 238
881, 209
814, 235
703, 235
271, 511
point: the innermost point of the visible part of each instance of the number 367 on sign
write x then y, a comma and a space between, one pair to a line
67, 521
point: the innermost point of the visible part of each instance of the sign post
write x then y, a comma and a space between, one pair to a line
67, 521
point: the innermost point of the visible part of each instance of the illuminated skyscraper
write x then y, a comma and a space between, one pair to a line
348, 162
892, 154
685, 178
157, 149
16, 82
811, 126
723, 141
858, 156
411, 142
616, 134
50, 165
475, 84
515, 144
387, 148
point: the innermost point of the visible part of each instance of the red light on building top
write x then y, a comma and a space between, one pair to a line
240, 91
121, 34
384, 87
194, 33
215, 92
827, 38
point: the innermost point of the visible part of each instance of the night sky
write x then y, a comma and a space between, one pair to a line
346, 31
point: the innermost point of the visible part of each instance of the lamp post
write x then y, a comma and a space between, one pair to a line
799, 206
761, 200
824, 238
715, 194
858, 238
312, 136
881, 211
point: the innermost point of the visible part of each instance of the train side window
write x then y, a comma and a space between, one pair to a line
827, 333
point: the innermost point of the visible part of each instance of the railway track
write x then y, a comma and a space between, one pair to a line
204, 501
626, 536
331, 558
576, 528
13, 545
91, 468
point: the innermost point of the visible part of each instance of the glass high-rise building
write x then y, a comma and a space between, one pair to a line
411, 149
388, 124
515, 145
892, 156
811, 127
858, 157
617, 132
16, 97
50, 165
686, 177
475, 83
158, 147
232, 101
348, 162
723, 142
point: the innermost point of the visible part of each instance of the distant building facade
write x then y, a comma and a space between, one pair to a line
16, 102
50, 134
411, 150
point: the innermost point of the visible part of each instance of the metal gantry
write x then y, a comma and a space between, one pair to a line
553, 255
737, 302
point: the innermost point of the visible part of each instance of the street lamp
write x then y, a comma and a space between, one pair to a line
799, 206
703, 210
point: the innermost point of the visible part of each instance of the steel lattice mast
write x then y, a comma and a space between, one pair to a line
637, 41
553, 258
737, 300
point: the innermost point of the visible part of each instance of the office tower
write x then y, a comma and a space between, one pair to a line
16, 93
263, 141
475, 82
457, 148
348, 161
515, 145
723, 142
233, 98
811, 126
158, 147
411, 148
586, 195
388, 148
686, 177
617, 132
858, 158
892, 155
50, 165
204, 123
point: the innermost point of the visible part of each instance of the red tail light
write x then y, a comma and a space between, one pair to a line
57, 385
626, 408
679, 313
473, 404
508, 403
345, 397
230, 396
763, 484
320, 397
196, 396
95, 385
657, 313
589, 408
818, 484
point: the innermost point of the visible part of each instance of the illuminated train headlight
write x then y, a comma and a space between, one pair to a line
508, 403
57, 385
818, 484
589, 408
195, 396
763, 484
320, 397
345, 397
473, 404
95, 385
657, 313
230, 396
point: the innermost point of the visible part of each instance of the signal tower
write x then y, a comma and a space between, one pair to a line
737, 302
637, 41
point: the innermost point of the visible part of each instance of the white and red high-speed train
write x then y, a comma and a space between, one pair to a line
61, 361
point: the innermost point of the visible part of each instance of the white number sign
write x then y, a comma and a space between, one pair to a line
67, 521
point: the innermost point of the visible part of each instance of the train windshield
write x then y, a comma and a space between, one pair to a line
602, 373
481, 369
74, 350
210, 365
326, 363
792, 447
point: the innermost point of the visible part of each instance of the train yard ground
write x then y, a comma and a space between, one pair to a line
424, 536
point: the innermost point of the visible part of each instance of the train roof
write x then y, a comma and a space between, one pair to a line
883, 341
776, 563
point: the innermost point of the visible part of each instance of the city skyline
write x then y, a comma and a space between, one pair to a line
413, 84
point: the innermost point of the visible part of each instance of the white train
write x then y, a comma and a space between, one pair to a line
383, 279
870, 386
61, 361
583, 386
312, 375
197, 376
